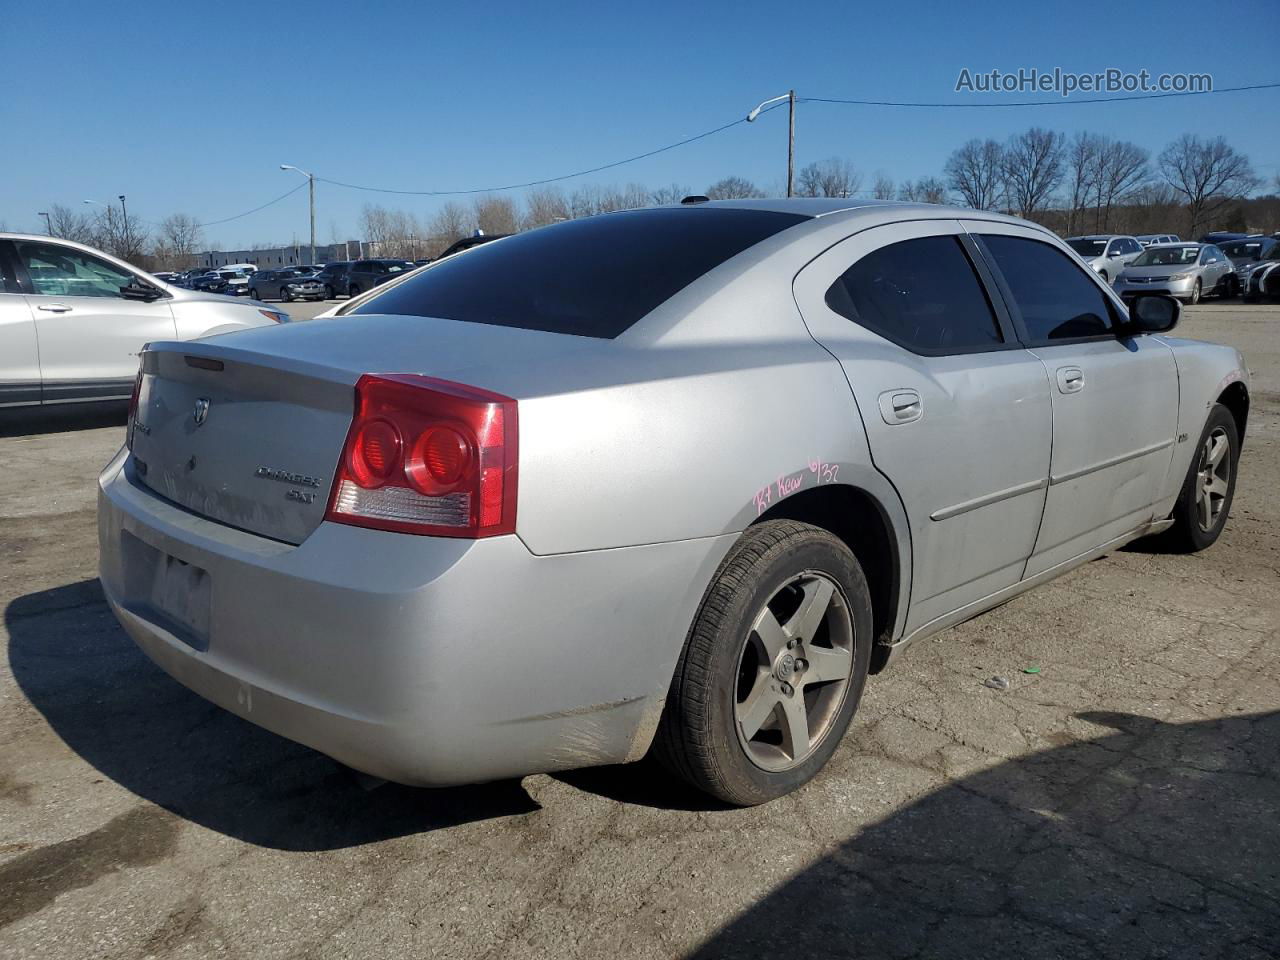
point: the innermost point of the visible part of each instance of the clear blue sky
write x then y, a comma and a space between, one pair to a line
192, 107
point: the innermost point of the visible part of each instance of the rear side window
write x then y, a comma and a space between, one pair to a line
593, 277
922, 294
1058, 301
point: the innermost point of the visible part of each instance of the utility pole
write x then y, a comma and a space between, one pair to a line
125, 214
48, 225
311, 191
790, 97
791, 143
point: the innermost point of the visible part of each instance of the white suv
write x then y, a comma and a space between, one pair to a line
73, 320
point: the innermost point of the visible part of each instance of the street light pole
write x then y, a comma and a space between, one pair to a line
48, 225
311, 190
790, 97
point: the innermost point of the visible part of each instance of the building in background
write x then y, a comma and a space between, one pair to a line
273, 258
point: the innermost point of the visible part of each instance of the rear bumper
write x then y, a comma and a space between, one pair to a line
422, 660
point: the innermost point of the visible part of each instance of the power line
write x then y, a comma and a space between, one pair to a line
288, 193
1062, 101
545, 180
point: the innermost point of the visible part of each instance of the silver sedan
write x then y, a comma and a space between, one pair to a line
1187, 271
671, 480
74, 319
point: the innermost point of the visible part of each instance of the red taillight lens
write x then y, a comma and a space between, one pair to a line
428, 456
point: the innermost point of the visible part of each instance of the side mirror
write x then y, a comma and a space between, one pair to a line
1153, 313
138, 291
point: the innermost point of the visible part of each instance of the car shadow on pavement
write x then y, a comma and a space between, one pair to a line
1154, 840
138, 727
29, 421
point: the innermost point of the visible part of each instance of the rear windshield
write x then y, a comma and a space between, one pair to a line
593, 277
1087, 247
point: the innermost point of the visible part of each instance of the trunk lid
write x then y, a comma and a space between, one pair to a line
278, 402
243, 443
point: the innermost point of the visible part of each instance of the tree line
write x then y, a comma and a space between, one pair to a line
1088, 183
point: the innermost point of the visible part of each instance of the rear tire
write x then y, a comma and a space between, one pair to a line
773, 667
1205, 501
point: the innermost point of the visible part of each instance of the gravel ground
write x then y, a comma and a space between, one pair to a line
1122, 802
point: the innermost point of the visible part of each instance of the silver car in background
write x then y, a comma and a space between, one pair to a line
674, 479
1187, 271
1148, 239
73, 320
1107, 253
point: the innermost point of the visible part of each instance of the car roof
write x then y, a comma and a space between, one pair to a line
1111, 236
1178, 243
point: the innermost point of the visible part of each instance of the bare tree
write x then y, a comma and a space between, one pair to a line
975, 171
1119, 168
884, 188
391, 233
1208, 173
835, 177
543, 206
1033, 169
673, 193
924, 190
124, 239
1082, 166
450, 224
178, 239
71, 224
733, 188
495, 213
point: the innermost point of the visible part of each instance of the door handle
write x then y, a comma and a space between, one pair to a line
1070, 379
900, 406
54, 307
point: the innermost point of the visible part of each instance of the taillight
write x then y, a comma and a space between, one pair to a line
428, 456
133, 407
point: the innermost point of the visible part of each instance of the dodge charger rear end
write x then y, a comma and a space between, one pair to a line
656, 479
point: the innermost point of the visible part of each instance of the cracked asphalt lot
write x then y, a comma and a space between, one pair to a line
1123, 802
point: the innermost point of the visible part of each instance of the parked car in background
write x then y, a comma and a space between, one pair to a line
466, 243
1106, 253
168, 276
231, 283
292, 283
333, 278
666, 478
1263, 281
1248, 255
1222, 237
205, 282
367, 274
1187, 271
73, 320
1147, 239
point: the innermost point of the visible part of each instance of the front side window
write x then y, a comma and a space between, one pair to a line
1057, 299
922, 294
65, 272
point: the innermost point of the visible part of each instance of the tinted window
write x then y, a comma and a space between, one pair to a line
66, 272
922, 294
593, 277
1087, 247
1057, 299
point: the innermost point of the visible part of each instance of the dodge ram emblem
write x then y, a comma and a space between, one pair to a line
201, 412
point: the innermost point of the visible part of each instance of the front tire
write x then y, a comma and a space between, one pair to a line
773, 667
353, 291
253, 293
285, 295
328, 293
1205, 501
1196, 290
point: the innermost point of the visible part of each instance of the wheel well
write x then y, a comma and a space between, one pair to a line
1236, 399
857, 518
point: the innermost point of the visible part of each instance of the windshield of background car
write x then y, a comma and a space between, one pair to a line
1166, 256
1243, 250
593, 277
1088, 248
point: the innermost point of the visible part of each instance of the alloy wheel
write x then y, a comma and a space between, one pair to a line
1213, 478
794, 671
